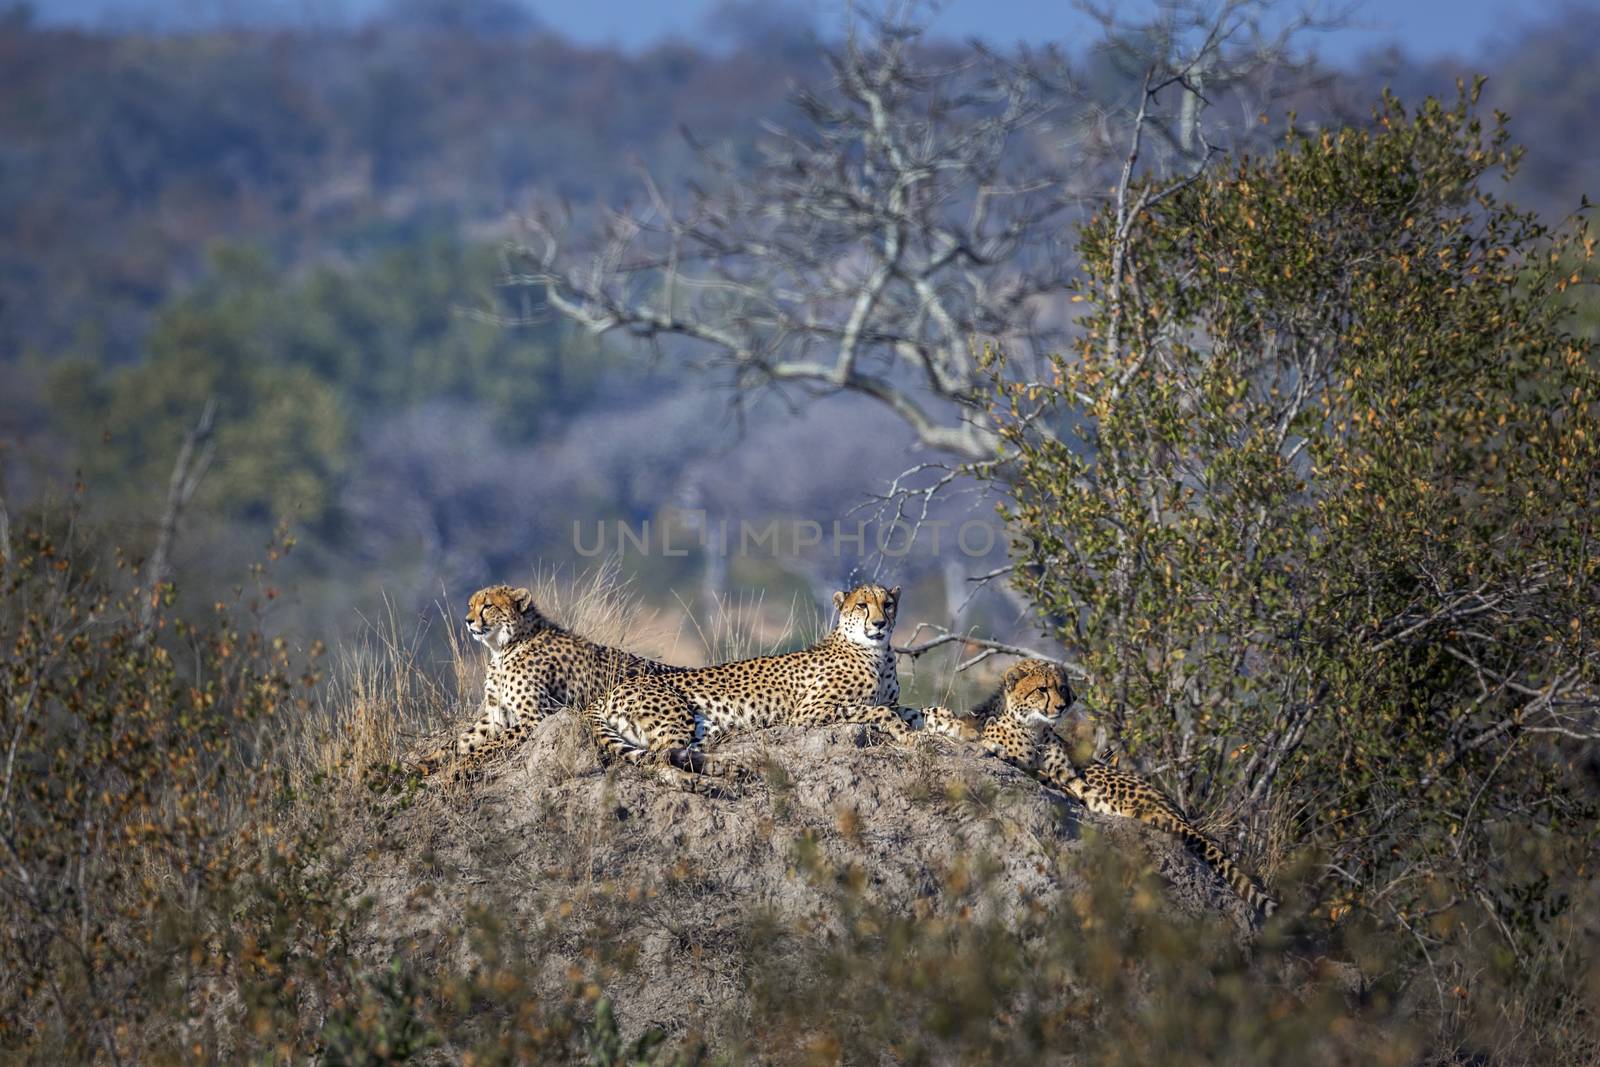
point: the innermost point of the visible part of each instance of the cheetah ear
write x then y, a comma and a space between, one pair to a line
894, 594
522, 598
838, 600
1014, 674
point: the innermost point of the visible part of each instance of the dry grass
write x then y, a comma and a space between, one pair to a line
380, 699
399, 687
860, 902
599, 604
744, 626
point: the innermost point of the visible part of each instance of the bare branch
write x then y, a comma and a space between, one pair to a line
5, 523
194, 459
990, 648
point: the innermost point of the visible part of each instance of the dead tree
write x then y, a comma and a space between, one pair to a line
919, 209
918, 213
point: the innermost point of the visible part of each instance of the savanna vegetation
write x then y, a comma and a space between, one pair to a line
1322, 525
1305, 497
196, 819
1327, 528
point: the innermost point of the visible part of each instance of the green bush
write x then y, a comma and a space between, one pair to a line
1315, 498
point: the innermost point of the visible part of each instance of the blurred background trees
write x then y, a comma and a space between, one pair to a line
297, 363
306, 224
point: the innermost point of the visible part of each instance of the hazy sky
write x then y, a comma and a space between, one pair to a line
1424, 27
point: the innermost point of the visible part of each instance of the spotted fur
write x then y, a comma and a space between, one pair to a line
1020, 729
848, 676
535, 668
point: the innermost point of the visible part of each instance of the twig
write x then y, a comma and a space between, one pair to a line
194, 458
5, 522
991, 648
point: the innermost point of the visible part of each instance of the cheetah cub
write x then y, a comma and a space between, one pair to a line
535, 668
1021, 718
848, 676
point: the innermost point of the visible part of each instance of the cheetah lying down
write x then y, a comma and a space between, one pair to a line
535, 668
1021, 718
848, 676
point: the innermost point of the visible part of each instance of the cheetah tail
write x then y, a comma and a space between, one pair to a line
1247, 887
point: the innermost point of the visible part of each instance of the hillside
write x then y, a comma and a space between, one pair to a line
669, 892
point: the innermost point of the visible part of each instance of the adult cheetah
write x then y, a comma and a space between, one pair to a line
1020, 729
848, 676
536, 667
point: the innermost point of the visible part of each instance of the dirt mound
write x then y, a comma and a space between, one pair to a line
581, 853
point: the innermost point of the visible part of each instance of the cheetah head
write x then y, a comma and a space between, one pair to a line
498, 615
866, 614
1037, 693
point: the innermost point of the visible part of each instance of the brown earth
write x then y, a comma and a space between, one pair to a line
615, 873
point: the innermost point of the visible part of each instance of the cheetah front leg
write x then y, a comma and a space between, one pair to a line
941, 720
882, 716
1052, 764
501, 725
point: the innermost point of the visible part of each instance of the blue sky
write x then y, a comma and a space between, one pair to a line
1424, 27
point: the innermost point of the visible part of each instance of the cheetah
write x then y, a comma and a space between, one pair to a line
848, 676
1019, 728
535, 668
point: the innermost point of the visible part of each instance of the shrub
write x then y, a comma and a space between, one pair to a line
129, 792
1317, 504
